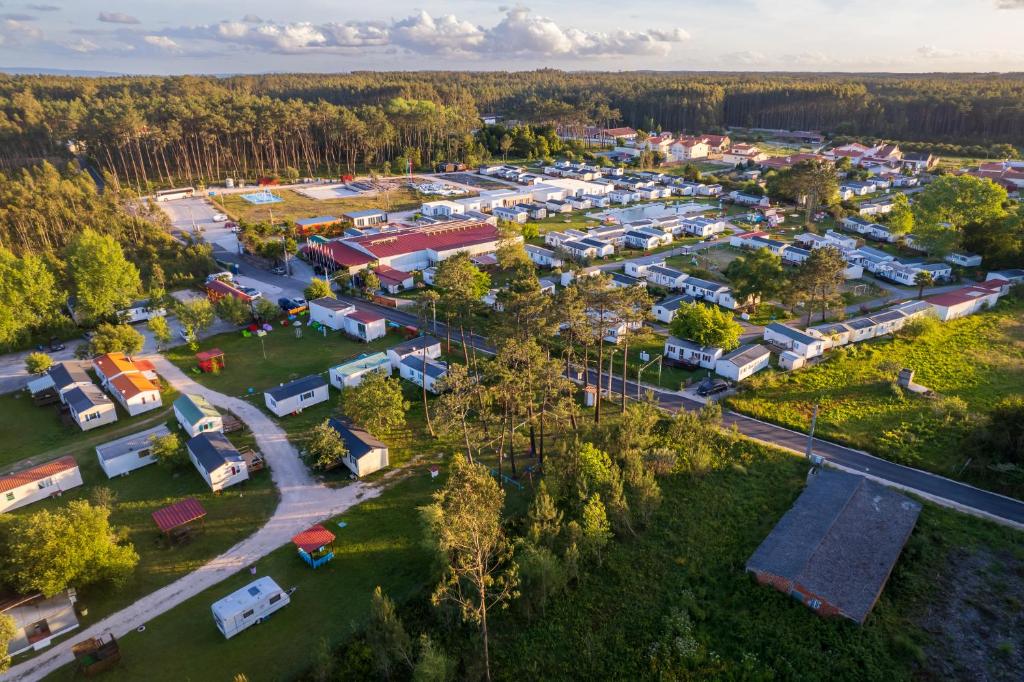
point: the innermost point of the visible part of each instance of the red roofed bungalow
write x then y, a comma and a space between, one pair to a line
27, 482
314, 545
393, 280
174, 519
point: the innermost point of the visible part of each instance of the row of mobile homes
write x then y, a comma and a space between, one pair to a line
27, 482
124, 455
794, 340
217, 460
297, 395
351, 373
196, 415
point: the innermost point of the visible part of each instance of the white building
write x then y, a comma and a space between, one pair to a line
196, 415
351, 373
669, 278
791, 339
217, 460
444, 209
124, 455
365, 325
297, 395
545, 258
89, 406
364, 454
685, 350
511, 214
418, 347
248, 606
702, 227
665, 309
412, 369
743, 362
330, 312
26, 482
964, 259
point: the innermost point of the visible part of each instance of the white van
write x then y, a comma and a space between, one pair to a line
248, 606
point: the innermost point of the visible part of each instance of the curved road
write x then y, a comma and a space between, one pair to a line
938, 489
303, 503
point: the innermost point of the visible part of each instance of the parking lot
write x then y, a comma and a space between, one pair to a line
195, 216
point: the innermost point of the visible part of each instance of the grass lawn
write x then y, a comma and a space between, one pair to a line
231, 516
296, 206
978, 359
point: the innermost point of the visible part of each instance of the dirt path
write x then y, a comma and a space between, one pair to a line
304, 501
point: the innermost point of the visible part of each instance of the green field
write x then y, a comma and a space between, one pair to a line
976, 360
296, 206
231, 517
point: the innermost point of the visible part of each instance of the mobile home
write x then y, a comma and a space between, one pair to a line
124, 455
248, 606
296, 395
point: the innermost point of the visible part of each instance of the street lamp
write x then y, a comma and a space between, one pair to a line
640, 370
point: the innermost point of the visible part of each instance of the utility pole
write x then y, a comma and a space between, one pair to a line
640, 370
815, 460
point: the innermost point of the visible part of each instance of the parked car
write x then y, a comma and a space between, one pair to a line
291, 306
56, 344
219, 218
279, 270
712, 387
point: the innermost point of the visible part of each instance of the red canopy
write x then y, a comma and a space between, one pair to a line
178, 514
209, 354
313, 538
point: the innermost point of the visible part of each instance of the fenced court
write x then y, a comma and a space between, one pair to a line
262, 197
324, 192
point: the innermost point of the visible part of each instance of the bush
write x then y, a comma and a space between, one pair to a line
37, 363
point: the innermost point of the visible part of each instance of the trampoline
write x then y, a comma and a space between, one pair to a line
262, 197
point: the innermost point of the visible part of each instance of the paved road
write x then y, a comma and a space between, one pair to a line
303, 503
936, 488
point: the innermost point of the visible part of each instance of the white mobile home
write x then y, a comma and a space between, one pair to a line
743, 362
27, 482
545, 258
412, 369
196, 415
665, 310
670, 278
351, 373
330, 312
418, 347
364, 453
296, 395
124, 455
90, 407
248, 606
365, 325
791, 339
688, 351
66, 376
217, 460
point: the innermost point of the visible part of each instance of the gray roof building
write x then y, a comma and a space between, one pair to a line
297, 387
836, 546
213, 450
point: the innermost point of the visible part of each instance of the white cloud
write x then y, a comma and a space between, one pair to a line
14, 32
83, 46
162, 42
1009, 4
933, 52
519, 33
44, 8
116, 18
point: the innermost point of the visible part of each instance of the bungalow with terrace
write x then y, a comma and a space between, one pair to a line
393, 280
858, 188
89, 407
589, 248
665, 309
802, 344
196, 415
878, 206
871, 259
364, 454
414, 369
746, 239
613, 234
421, 346
906, 273
535, 210
857, 224
545, 258
556, 206
712, 292
743, 362
330, 312
597, 200
351, 373
840, 241
685, 350
666, 277
442, 209
774, 245
217, 460
295, 396
861, 329
26, 482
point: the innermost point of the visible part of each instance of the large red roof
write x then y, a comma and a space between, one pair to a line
312, 539
178, 514
365, 316
440, 237
132, 384
37, 473
339, 252
967, 294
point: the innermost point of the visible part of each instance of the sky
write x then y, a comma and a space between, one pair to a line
260, 36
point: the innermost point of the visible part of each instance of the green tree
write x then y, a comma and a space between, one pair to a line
264, 309
454, 407
596, 530
233, 310
956, 201
326, 448
1002, 436
706, 325
113, 338
104, 280
169, 451
900, 220
819, 280
318, 288
544, 518
8, 630
161, 330
26, 279
432, 664
376, 403
391, 645
811, 183
37, 363
371, 283
757, 275
542, 575
923, 279
48, 551
464, 522
461, 285
195, 317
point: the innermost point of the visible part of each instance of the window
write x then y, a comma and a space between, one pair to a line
10, 497
91, 416
143, 453
306, 396
276, 598
247, 614
45, 483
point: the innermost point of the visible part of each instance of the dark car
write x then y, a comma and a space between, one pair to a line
279, 270
56, 344
710, 388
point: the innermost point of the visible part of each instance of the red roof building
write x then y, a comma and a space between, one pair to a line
313, 539
217, 289
39, 472
968, 300
178, 514
34, 482
365, 316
